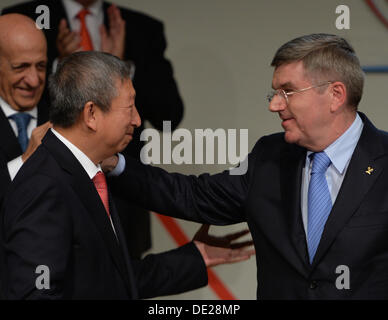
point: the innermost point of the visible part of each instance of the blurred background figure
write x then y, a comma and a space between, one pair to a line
23, 119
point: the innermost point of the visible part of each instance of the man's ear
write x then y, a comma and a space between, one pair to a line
339, 95
90, 115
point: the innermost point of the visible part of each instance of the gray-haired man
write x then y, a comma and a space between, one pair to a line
59, 216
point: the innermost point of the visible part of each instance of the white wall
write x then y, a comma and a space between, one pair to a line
221, 50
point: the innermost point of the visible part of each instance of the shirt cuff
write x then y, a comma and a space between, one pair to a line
119, 167
15, 165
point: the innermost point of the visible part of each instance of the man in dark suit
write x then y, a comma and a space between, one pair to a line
59, 216
315, 196
137, 39
23, 114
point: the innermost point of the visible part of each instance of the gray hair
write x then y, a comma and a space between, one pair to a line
82, 77
325, 57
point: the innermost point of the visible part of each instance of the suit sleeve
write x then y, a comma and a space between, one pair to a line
170, 272
32, 230
215, 199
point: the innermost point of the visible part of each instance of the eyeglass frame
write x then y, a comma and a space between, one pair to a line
285, 94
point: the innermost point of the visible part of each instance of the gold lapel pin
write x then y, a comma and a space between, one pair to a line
369, 171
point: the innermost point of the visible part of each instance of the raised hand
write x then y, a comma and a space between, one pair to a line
67, 41
113, 40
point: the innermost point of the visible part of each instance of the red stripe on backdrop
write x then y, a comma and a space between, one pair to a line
176, 232
377, 12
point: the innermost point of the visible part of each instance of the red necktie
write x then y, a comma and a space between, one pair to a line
86, 42
102, 189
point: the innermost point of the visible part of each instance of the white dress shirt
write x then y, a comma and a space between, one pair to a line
15, 164
339, 152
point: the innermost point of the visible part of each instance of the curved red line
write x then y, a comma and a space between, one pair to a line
176, 232
377, 12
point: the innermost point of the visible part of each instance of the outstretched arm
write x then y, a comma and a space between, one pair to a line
184, 268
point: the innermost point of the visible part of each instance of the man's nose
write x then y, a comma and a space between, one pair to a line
136, 120
277, 104
32, 78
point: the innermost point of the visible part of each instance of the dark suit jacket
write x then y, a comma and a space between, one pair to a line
157, 96
53, 216
268, 198
9, 144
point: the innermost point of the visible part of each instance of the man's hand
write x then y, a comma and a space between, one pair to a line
221, 250
67, 41
113, 40
36, 139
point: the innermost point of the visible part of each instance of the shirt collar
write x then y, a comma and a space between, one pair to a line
9, 111
89, 166
341, 150
72, 8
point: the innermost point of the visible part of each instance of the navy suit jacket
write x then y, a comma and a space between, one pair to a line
53, 216
268, 197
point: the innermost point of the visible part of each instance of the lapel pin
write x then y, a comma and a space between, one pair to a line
369, 171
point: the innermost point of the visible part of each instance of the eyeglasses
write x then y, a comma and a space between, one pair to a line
283, 94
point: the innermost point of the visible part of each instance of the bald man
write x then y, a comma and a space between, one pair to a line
23, 117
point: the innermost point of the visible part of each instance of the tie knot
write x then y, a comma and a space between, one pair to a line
22, 119
321, 162
99, 180
82, 14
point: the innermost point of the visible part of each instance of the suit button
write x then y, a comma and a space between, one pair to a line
313, 285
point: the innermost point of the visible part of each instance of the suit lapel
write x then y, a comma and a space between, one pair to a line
291, 172
123, 244
84, 188
355, 185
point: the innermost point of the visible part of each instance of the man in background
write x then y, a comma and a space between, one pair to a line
23, 114
139, 40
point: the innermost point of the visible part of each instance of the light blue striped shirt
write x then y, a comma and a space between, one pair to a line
340, 153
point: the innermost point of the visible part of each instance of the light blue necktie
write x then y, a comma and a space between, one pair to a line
22, 120
319, 202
